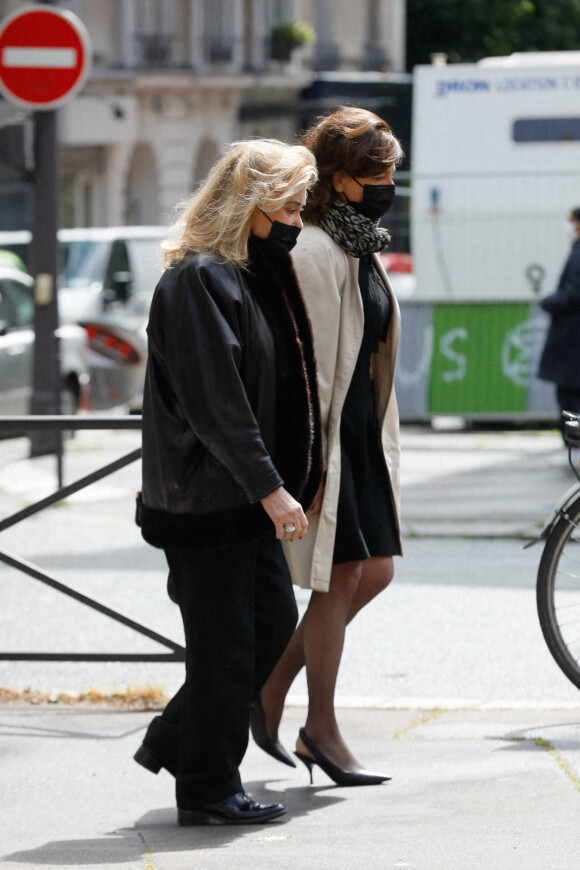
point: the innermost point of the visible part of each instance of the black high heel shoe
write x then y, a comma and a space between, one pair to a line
258, 728
337, 774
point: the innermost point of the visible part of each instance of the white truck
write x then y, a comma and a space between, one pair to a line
495, 174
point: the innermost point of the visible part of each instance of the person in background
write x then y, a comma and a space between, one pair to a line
231, 460
560, 360
347, 558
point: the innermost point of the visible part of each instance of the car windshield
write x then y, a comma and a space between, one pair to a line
146, 262
82, 263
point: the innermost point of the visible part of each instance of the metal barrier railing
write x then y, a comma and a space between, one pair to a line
18, 425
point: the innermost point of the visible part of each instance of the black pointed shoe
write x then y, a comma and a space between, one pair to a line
258, 728
337, 774
238, 809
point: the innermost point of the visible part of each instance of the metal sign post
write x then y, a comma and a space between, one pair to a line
44, 60
46, 366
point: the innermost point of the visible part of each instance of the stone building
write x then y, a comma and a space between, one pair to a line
173, 80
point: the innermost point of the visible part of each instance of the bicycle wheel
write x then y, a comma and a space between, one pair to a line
558, 592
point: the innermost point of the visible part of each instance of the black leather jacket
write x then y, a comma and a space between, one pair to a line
222, 344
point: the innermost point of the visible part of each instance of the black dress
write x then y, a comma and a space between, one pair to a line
366, 523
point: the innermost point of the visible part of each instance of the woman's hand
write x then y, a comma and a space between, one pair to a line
284, 510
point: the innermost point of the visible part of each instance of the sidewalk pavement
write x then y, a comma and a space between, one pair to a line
471, 789
481, 484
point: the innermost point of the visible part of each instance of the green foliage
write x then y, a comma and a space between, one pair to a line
467, 30
293, 33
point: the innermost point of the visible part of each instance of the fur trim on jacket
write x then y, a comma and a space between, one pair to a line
206, 466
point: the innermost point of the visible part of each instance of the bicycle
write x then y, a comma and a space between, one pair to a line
558, 579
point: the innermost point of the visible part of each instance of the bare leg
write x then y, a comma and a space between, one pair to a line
352, 586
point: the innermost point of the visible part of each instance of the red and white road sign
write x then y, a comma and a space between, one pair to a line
45, 56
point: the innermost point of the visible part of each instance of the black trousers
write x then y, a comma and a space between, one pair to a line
239, 612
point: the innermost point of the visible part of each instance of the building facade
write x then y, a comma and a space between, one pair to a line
173, 80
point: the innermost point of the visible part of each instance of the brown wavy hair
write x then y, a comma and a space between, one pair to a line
350, 140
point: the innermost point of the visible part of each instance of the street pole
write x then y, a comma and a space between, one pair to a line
44, 60
46, 369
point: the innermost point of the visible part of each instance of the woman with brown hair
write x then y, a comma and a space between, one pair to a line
347, 557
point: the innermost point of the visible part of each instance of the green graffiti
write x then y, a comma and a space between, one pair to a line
481, 358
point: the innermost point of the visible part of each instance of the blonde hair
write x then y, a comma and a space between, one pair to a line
255, 173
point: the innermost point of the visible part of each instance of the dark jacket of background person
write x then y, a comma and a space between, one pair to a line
560, 361
236, 346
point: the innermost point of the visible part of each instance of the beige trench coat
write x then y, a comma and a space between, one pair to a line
328, 278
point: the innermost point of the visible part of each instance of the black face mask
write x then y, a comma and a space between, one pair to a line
376, 201
281, 238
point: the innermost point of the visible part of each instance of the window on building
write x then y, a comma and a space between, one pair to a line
219, 29
547, 130
279, 10
156, 32
77, 199
15, 205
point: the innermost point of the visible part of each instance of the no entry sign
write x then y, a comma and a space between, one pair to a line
45, 56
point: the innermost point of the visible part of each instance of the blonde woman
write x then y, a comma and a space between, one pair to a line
231, 460
347, 558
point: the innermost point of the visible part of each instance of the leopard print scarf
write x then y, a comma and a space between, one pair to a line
354, 232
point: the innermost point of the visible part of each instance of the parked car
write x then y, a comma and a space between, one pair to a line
107, 276
17, 348
106, 282
400, 269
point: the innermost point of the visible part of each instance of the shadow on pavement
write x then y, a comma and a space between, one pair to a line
157, 830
